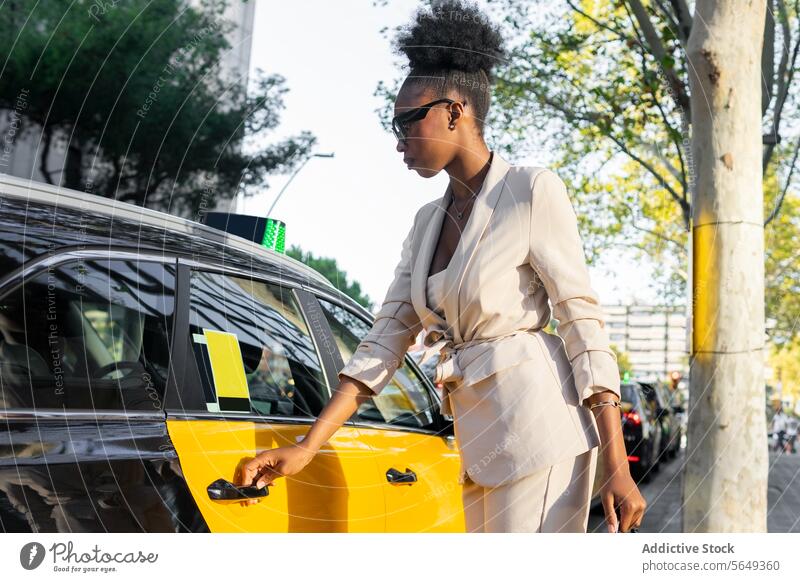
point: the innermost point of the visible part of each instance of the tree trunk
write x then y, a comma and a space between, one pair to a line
725, 479
45, 153
73, 176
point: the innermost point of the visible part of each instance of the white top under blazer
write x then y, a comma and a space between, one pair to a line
435, 292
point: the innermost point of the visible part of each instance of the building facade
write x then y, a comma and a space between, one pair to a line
654, 338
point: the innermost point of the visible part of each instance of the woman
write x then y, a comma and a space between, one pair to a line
476, 272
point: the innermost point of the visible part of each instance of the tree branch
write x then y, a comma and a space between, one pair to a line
48, 140
620, 34
684, 20
785, 75
682, 202
670, 168
673, 24
670, 130
658, 51
648, 231
777, 208
768, 59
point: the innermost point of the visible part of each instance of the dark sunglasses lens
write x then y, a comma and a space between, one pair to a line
400, 122
397, 129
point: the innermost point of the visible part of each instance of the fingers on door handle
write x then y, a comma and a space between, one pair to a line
224, 490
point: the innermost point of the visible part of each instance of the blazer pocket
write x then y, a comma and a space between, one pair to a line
494, 357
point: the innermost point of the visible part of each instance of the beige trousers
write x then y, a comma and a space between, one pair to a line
551, 500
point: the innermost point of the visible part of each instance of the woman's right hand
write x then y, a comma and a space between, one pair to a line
273, 463
285, 461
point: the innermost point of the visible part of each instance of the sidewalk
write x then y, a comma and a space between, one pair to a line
663, 495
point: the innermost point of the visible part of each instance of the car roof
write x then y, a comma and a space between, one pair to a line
60, 197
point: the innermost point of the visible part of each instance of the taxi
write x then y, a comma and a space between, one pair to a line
145, 357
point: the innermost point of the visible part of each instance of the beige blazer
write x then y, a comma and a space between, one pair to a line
514, 391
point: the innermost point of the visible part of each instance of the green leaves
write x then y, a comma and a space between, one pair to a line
138, 90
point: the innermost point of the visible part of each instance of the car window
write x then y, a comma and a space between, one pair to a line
252, 348
649, 393
88, 334
650, 402
405, 400
628, 393
670, 396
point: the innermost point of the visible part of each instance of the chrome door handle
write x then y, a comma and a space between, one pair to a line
222, 489
396, 477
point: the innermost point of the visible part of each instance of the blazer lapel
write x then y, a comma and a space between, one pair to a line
482, 210
421, 268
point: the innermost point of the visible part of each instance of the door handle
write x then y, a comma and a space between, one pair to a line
222, 490
396, 477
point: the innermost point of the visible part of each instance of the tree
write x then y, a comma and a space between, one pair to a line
785, 363
623, 360
782, 269
136, 90
328, 268
724, 487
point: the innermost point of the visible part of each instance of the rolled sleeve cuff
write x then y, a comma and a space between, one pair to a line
595, 371
372, 364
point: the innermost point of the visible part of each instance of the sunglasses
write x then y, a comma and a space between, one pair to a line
402, 121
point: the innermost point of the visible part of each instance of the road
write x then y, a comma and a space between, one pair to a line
663, 495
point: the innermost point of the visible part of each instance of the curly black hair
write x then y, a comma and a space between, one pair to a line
453, 47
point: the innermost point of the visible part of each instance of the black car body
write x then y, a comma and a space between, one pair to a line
663, 413
641, 431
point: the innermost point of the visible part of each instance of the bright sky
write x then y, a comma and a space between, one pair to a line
358, 206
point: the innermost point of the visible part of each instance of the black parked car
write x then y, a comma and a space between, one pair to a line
656, 394
675, 411
641, 430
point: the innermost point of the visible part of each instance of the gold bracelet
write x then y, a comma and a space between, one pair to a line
605, 403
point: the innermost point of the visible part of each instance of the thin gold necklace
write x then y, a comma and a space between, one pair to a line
460, 213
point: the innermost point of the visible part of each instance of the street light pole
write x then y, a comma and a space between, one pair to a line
289, 181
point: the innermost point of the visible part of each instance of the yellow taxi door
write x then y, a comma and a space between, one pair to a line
416, 462
336, 492
250, 378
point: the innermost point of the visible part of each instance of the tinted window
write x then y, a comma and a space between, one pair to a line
650, 402
252, 349
90, 333
628, 393
22, 234
405, 400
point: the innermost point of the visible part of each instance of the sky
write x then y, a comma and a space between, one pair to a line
358, 206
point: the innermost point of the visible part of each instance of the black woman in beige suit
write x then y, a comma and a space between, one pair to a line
531, 410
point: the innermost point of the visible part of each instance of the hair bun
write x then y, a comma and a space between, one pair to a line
451, 35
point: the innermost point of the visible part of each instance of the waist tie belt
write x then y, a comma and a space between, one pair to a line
441, 341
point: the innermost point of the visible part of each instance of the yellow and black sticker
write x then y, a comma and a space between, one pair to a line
227, 371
